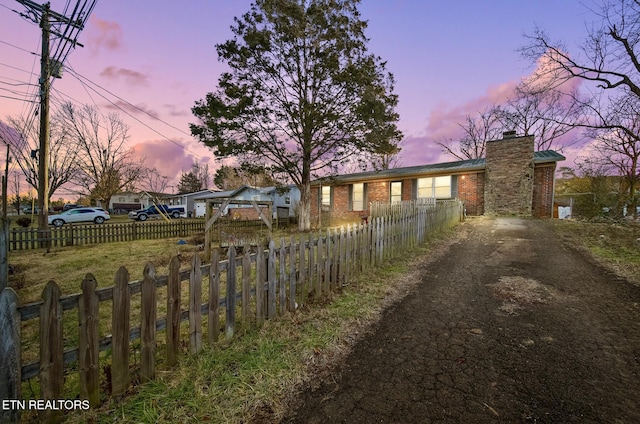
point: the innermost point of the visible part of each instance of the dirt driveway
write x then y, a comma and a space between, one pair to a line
509, 325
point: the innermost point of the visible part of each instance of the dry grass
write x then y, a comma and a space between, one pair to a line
615, 245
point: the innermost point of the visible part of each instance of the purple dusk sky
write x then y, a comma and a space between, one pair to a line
151, 60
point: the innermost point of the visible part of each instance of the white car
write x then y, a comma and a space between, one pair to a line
97, 215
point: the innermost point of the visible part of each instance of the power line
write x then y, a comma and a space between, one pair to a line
19, 48
82, 79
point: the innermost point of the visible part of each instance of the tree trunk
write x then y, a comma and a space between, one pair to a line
304, 210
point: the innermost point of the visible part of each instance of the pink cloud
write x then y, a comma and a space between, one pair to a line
174, 110
130, 109
104, 34
130, 76
169, 158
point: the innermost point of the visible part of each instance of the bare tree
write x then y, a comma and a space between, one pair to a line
105, 163
153, 181
23, 137
616, 146
477, 131
195, 180
546, 114
608, 63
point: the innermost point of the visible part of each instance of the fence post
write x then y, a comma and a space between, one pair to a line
10, 375
120, 329
214, 297
282, 290
292, 276
51, 349
327, 263
148, 324
260, 279
319, 268
195, 313
173, 312
300, 289
89, 315
230, 321
246, 287
271, 276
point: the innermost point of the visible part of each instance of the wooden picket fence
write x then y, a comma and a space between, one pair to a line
243, 291
84, 234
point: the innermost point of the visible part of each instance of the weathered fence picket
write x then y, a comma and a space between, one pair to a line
173, 311
230, 321
148, 324
213, 322
89, 347
246, 287
120, 323
195, 312
286, 278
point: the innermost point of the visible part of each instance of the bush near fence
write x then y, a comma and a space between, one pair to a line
257, 285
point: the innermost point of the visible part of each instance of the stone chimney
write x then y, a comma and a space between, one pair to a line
509, 176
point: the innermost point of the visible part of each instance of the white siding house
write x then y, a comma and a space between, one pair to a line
284, 201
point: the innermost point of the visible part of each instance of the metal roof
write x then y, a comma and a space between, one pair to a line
445, 168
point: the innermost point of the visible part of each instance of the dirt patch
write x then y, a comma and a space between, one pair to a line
517, 292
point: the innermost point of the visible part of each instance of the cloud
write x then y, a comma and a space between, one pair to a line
130, 109
130, 76
169, 158
174, 110
443, 121
104, 34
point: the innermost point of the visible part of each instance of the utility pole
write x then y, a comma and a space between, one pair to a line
44, 16
4, 230
43, 159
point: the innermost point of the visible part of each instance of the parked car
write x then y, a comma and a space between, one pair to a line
70, 206
97, 215
28, 211
156, 211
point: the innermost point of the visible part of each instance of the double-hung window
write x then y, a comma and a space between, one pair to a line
358, 197
395, 192
438, 187
325, 198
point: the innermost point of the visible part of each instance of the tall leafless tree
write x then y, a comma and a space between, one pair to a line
546, 114
23, 137
477, 131
106, 164
608, 63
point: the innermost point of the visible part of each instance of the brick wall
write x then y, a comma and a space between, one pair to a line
471, 192
509, 177
543, 179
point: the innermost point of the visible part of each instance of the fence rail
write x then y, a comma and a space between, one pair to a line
75, 235
243, 291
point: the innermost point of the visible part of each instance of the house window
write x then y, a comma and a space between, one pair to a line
425, 188
121, 199
357, 197
287, 200
325, 200
396, 192
442, 187
438, 187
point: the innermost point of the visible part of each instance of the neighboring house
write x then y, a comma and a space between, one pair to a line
122, 203
284, 202
187, 199
511, 180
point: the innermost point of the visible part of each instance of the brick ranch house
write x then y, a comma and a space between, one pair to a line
511, 180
